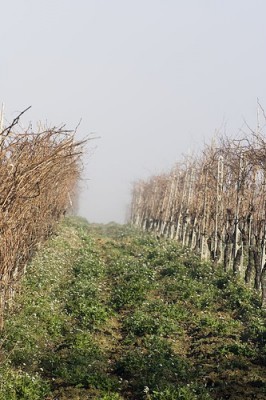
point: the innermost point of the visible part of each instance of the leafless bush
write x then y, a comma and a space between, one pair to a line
39, 173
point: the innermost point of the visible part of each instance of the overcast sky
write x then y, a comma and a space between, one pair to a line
153, 78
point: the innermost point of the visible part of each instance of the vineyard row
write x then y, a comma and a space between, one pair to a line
215, 204
39, 174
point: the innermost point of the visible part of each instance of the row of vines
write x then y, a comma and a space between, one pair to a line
215, 204
39, 173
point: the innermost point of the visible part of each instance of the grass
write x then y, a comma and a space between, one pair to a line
105, 312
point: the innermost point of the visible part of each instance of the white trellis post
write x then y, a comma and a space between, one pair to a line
218, 212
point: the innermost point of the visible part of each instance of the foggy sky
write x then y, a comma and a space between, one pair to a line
153, 79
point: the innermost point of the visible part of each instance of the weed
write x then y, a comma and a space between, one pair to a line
106, 312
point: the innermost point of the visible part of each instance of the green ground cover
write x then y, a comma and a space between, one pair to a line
105, 312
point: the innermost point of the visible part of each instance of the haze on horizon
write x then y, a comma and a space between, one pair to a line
153, 79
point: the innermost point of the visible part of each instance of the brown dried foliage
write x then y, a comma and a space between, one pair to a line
39, 174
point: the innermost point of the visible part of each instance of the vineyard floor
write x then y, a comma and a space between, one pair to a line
106, 312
